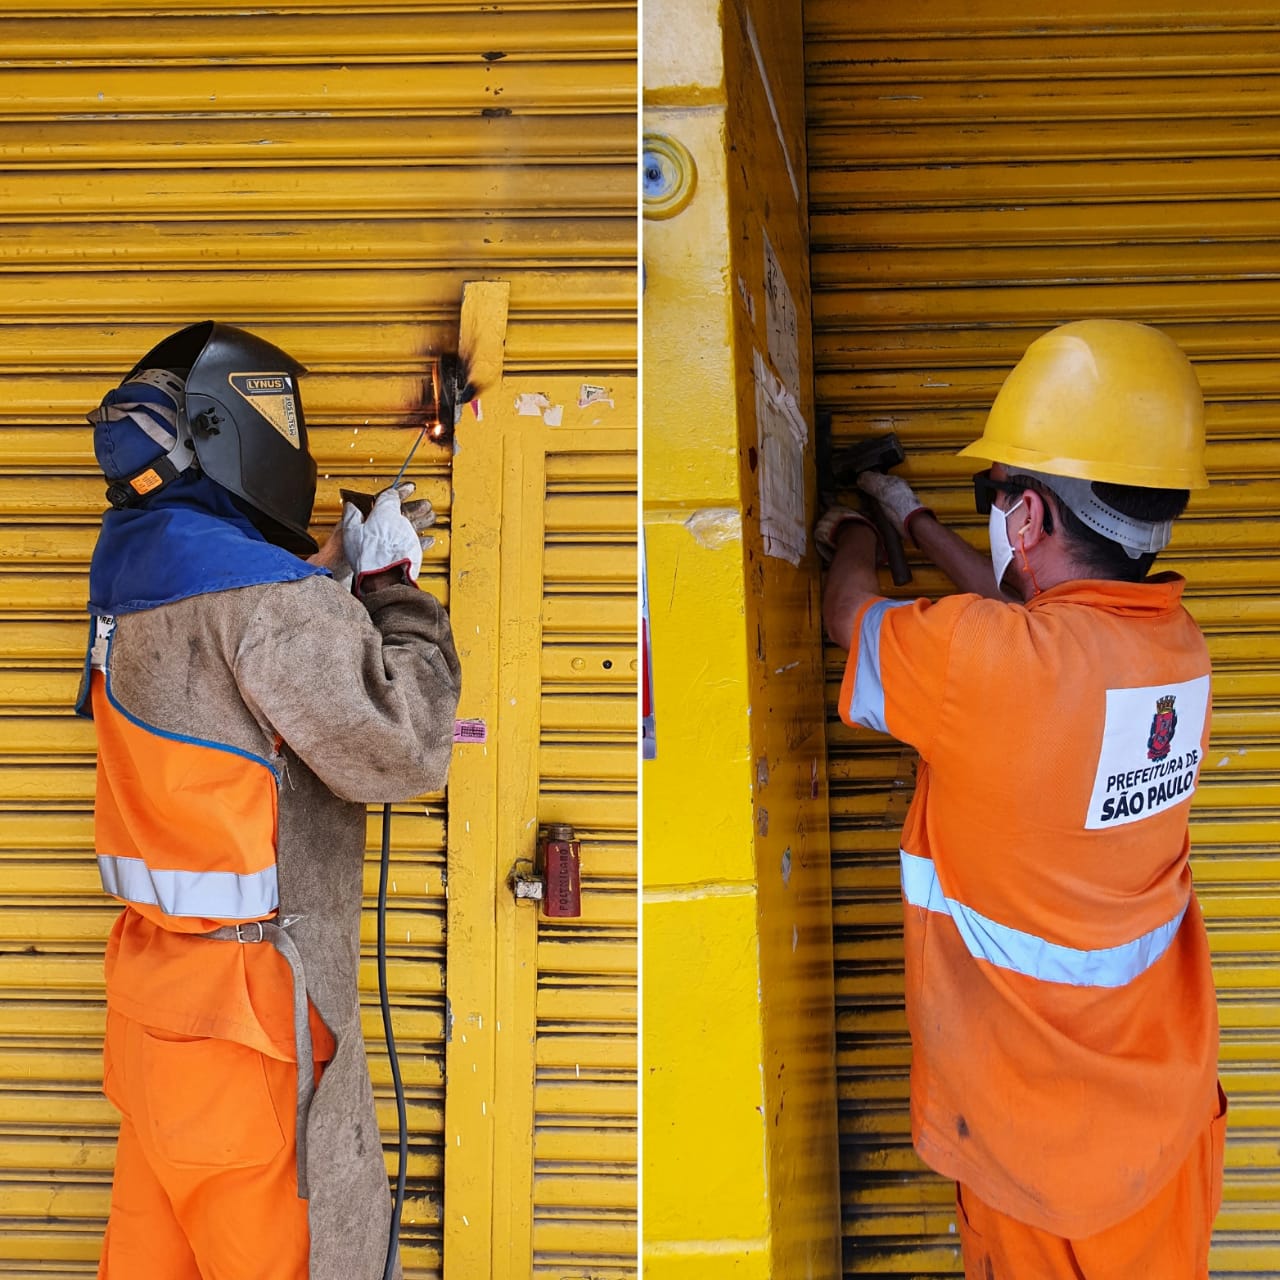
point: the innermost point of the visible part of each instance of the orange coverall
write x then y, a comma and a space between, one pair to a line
205, 1181
1058, 984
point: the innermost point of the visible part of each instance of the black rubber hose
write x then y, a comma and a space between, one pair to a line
397, 1207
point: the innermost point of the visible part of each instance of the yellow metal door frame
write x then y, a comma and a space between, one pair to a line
496, 592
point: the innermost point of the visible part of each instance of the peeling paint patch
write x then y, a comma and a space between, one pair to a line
786, 865
715, 527
795, 938
762, 822
791, 666
748, 301
762, 772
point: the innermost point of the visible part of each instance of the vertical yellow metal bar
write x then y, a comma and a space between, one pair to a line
519, 719
474, 838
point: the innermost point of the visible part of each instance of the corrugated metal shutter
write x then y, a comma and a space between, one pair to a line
977, 177
584, 1139
541, 1106
328, 178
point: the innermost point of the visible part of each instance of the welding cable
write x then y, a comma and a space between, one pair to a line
397, 1207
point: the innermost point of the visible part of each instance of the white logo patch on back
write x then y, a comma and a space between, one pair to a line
1150, 753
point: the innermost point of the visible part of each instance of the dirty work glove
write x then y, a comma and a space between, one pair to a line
826, 532
419, 513
896, 498
386, 540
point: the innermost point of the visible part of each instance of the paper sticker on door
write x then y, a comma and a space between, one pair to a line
1150, 751
271, 394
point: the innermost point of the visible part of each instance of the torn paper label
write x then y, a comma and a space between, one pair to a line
531, 404
534, 404
589, 394
782, 434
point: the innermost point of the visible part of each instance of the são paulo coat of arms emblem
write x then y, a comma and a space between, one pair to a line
1163, 725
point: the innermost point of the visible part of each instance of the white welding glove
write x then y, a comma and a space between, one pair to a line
895, 496
419, 513
386, 539
826, 531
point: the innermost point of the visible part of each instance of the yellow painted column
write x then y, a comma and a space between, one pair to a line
740, 1143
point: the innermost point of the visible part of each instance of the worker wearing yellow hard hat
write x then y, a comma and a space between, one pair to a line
1059, 991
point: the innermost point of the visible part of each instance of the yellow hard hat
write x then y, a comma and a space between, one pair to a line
1106, 400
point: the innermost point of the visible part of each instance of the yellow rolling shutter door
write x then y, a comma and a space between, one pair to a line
584, 1137
976, 178
327, 178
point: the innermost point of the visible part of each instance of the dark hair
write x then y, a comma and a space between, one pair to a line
1104, 558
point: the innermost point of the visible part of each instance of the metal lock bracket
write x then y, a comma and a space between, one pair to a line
525, 881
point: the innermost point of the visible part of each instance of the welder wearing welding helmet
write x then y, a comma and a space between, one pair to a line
1059, 991
247, 706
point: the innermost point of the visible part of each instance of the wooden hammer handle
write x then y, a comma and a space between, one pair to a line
894, 551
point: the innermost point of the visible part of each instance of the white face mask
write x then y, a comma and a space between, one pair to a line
1001, 547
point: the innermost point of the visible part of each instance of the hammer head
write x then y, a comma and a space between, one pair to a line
876, 453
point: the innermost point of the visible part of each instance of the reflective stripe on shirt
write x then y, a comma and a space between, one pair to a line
866, 705
1027, 954
215, 895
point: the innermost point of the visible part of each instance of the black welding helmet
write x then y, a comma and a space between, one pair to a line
247, 430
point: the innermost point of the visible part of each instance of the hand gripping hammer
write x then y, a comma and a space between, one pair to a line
877, 453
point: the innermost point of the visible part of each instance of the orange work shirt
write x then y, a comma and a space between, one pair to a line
1059, 993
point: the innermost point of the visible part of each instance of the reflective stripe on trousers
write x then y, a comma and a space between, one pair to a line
1025, 953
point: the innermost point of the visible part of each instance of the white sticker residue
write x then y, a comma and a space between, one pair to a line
532, 404
782, 434
1150, 751
780, 321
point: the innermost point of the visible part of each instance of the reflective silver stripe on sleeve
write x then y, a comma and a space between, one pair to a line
1027, 954
866, 705
217, 895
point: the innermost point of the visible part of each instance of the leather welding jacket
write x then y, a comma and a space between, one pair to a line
241, 735
1058, 985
